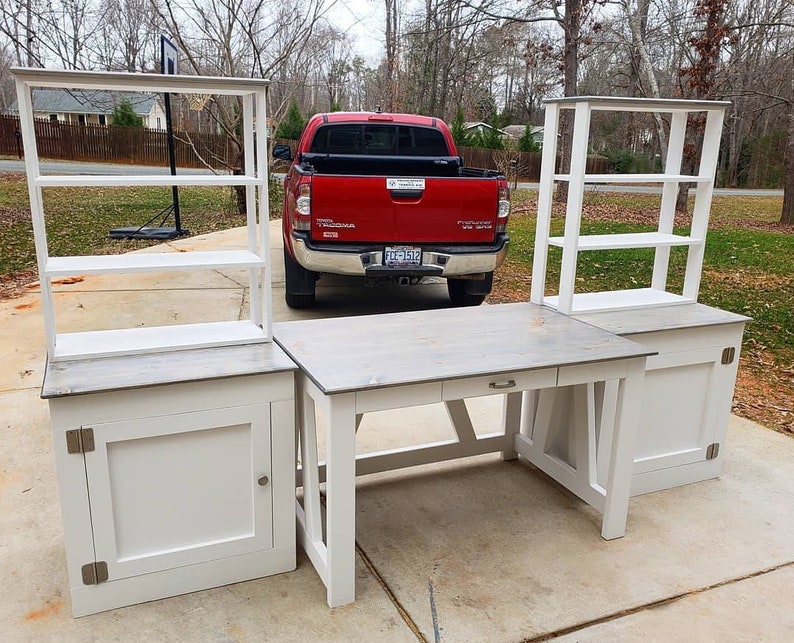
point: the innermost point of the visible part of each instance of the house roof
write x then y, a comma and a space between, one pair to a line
86, 101
517, 131
480, 124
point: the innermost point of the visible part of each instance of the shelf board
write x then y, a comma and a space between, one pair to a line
631, 240
155, 339
620, 300
638, 178
153, 261
96, 180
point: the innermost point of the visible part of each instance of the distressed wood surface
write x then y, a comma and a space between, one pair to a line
136, 371
650, 320
360, 353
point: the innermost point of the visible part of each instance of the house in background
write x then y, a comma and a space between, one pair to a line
92, 107
517, 131
480, 129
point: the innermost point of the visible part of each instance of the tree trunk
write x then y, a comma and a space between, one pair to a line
787, 216
572, 27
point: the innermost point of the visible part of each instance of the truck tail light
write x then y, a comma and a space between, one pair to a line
503, 210
302, 216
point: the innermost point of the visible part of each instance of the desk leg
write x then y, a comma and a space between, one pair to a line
511, 421
621, 459
341, 499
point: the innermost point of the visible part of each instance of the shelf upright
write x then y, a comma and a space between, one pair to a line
256, 260
567, 301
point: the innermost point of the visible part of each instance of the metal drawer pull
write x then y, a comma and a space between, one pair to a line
263, 481
507, 384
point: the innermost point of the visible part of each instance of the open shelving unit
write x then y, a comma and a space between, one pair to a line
256, 259
572, 242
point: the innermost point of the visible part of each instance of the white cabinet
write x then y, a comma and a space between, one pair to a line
686, 398
171, 484
144, 338
662, 239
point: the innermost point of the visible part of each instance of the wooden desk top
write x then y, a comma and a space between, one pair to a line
80, 377
660, 318
359, 353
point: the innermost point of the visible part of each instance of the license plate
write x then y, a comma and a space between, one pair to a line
400, 256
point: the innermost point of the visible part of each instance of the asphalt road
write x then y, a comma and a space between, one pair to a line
76, 167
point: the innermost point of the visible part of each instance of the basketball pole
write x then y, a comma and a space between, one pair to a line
167, 66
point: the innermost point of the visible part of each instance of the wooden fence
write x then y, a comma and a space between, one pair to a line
149, 147
527, 164
100, 143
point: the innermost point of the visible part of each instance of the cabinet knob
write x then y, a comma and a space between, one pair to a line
263, 481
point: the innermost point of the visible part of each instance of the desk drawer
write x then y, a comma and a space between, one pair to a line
498, 383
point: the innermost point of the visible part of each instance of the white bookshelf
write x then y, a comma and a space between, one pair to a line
662, 240
256, 259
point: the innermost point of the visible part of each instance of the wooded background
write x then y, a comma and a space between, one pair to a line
496, 60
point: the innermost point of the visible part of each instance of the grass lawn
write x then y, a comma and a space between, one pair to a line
748, 269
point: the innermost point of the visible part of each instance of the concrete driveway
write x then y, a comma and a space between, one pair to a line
472, 550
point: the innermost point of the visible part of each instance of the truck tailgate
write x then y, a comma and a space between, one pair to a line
361, 209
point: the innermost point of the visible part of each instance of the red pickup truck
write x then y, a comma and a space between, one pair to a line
386, 196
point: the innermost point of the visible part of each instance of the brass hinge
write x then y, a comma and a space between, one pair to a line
728, 355
94, 573
712, 451
80, 440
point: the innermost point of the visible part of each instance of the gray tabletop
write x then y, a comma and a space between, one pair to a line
658, 318
359, 353
79, 377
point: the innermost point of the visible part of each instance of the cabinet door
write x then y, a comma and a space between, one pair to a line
170, 491
682, 397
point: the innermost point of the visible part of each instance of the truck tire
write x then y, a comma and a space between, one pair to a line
299, 284
469, 292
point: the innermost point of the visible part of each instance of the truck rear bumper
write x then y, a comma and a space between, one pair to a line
442, 261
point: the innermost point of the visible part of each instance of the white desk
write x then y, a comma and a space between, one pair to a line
355, 365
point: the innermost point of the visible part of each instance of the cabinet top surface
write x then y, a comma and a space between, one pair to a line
659, 318
78, 79
359, 353
629, 102
106, 374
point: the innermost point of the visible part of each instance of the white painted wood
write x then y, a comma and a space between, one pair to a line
152, 339
511, 421
625, 103
169, 498
311, 484
341, 500
545, 193
88, 600
28, 131
621, 459
461, 420
618, 299
78, 345
122, 180
573, 208
147, 262
172, 491
383, 399
675, 154
633, 240
662, 240
687, 391
635, 178
36, 77
498, 383
702, 207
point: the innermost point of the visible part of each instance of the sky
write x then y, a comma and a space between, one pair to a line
364, 21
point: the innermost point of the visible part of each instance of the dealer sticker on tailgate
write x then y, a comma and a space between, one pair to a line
405, 184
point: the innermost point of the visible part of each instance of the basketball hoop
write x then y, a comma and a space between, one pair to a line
197, 102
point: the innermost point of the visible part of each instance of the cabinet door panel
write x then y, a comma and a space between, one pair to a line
678, 409
180, 489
